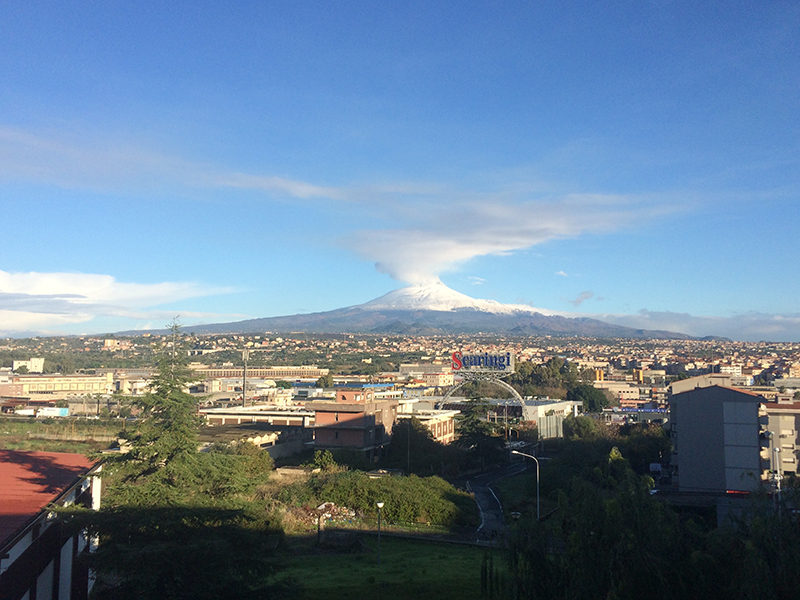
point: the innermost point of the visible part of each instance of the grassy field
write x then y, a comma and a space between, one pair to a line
408, 569
518, 494
56, 435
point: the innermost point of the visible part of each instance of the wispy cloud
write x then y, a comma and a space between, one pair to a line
476, 280
582, 297
562, 273
42, 301
749, 326
295, 189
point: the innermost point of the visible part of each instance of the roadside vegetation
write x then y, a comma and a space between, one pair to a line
604, 534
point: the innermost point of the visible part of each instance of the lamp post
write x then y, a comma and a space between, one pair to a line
537, 478
775, 475
380, 506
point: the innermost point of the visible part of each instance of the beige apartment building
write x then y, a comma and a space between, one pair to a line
63, 385
280, 373
438, 379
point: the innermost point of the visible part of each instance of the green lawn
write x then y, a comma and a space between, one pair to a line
408, 569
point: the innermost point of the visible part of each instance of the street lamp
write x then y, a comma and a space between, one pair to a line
380, 506
775, 475
537, 478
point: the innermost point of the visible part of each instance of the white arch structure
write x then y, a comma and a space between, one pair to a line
481, 376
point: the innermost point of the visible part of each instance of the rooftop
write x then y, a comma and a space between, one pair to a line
30, 481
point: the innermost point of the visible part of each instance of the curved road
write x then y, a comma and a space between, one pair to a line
493, 524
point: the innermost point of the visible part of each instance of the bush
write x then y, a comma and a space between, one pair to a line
407, 499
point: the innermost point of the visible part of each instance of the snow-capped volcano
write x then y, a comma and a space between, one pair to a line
437, 296
433, 309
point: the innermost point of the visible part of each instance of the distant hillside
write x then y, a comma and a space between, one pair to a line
431, 310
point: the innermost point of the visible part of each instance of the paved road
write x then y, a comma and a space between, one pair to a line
493, 524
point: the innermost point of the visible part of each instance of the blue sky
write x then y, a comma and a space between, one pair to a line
636, 161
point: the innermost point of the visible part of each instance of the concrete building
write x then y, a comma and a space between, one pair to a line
39, 559
717, 447
783, 423
438, 379
277, 440
627, 393
131, 385
287, 416
276, 373
441, 423
788, 384
355, 419
625, 416
417, 370
34, 365
548, 415
61, 386
701, 381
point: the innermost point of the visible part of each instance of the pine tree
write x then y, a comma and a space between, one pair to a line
157, 453
170, 509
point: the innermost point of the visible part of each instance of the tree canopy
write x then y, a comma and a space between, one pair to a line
593, 399
169, 508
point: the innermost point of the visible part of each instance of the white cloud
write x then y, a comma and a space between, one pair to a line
562, 273
447, 234
47, 301
431, 227
476, 280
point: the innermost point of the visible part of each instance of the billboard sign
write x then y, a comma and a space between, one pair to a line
482, 363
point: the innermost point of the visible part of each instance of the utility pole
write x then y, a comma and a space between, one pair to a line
408, 447
245, 356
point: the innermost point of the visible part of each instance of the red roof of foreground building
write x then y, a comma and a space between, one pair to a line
29, 481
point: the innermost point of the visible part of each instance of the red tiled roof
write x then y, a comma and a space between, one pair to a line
29, 481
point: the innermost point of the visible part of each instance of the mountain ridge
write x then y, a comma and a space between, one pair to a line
433, 309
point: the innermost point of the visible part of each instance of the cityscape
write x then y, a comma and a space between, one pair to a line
444, 408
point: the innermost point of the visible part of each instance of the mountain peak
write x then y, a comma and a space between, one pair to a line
438, 297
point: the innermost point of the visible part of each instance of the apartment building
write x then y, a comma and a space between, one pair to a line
729, 440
